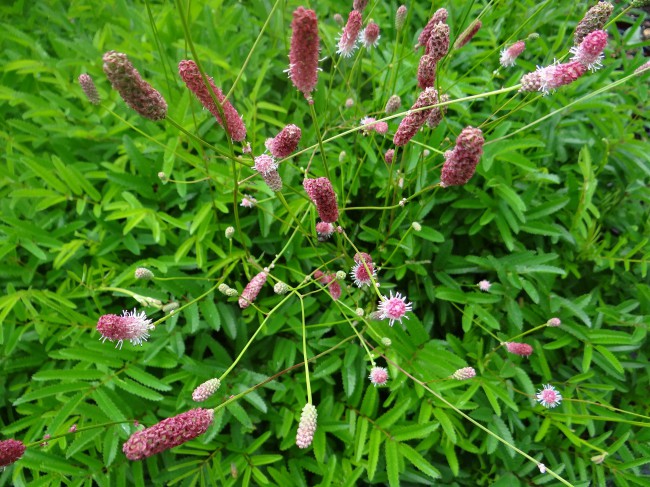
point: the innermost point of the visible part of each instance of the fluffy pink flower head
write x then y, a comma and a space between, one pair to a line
440, 16
88, 86
348, 39
522, 349
484, 285
10, 451
369, 124
248, 201
400, 17
320, 191
378, 376
551, 77
460, 163
370, 35
426, 72
464, 374
438, 44
251, 290
273, 180
595, 19
303, 54
324, 230
285, 142
389, 156
136, 92
360, 275
205, 390
590, 50
554, 322
468, 34
438, 113
167, 434
410, 125
190, 74
130, 326
394, 308
265, 164
549, 397
393, 104
307, 426
509, 55
381, 128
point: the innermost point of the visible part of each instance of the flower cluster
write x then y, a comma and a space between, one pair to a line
252, 289
348, 39
324, 230
393, 308
369, 124
303, 54
320, 191
285, 142
307, 426
461, 162
130, 326
10, 451
590, 51
410, 125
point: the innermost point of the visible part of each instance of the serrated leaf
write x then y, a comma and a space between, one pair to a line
373, 452
147, 379
447, 425
392, 462
419, 461
137, 389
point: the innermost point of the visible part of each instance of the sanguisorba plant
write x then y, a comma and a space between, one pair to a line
369, 262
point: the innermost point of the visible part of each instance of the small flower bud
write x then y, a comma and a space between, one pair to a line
509, 55
464, 373
386, 342
205, 390
280, 288
143, 273
307, 426
484, 285
389, 156
359, 312
554, 322
89, 89
342, 155
73, 428
468, 34
163, 177
230, 232
400, 17
338, 18
273, 181
341, 275
416, 226
223, 288
232, 293
170, 307
349, 103
393, 104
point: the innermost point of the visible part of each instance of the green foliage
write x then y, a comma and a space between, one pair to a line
556, 217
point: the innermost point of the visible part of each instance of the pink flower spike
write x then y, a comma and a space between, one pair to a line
88, 86
359, 5
205, 390
273, 180
389, 156
348, 40
410, 125
549, 397
265, 164
438, 44
378, 376
590, 51
509, 55
283, 144
595, 19
551, 77
468, 34
522, 349
440, 16
320, 191
307, 426
464, 374
130, 326
460, 163
10, 451
426, 72
303, 54
251, 290
394, 308
370, 35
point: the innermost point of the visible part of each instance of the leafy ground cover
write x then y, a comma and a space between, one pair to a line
494, 333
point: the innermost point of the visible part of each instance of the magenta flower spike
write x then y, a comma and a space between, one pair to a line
595, 19
438, 44
551, 77
191, 75
378, 376
522, 349
303, 54
460, 163
389, 156
131, 326
169, 433
251, 290
88, 86
307, 426
438, 113
409, 126
509, 55
590, 51
320, 191
348, 39
468, 34
370, 35
285, 143
440, 16
426, 72
11, 451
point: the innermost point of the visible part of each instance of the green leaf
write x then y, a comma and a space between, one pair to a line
137, 389
373, 452
419, 461
147, 379
392, 462
446, 424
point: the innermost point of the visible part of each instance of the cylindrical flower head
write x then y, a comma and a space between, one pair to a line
438, 113
285, 142
460, 163
88, 86
136, 92
378, 376
642, 69
389, 156
400, 17
10, 451
438, 44
324, 230
468, 34
205, 390
440, 16
522, 349
303, 54
595, 18
370, 35
251, 290
426, 72
338, 18
307, 426
143, 273
393, 104
551, 77
265, 164
409, 126
590, 50
509, 55
168, 433
130, 326
554, 322
320, 191
359, 5
348, 40
191, 75
464, 373
273, 180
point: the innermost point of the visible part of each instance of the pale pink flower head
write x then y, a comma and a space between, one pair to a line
554, 322
468, 34
265, 164
484, 285
509, 55
438, 44
11, 451
324, 230
393, 104
248, 201
389, 156
549, 397
381, 128
590, 50
73, 428
234, 125
307, 426
440, 16
131, 326
273, 180
251, 290
143, 273
88, 86
410, 125
368, 125
136, 92
426, 72
370, 35
642, 69
320, 191
464, 374
400, 17
378, 376
542, 467
595, 19
348, 39
169, 433
205, 390
522, 349
285, 142
303, 54
394, 308
460, 163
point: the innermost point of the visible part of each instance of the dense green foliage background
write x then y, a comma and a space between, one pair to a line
557, 218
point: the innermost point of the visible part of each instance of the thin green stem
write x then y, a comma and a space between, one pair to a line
312, 110
304, 348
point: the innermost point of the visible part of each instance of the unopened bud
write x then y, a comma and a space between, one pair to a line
170, 307
230, 232
280, 288
143, 273
416, 226
341, 275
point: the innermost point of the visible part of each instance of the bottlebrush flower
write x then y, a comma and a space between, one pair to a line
285, 142
167, 434
400, 17
484, 285
389, 156
251, 290
549, 397
248, 201
205, 390
11, 451
394, 308
409, 126
359, 5
370, 35
348, 39
378, 376
509, 55
552, 77
143, 273
265, 164
393, 104
273, 180
440, 16
438, 44
303, 54
130, 326
590, 50
554, 322
522, 349
438, 113
307, 426
88, 86
426, 72
324, 230
136, 92
320, 191
595, 19
191, 75
468, 34
460, 163
361, 276
464, 373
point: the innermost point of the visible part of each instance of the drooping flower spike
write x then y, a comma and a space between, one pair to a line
320, 191
440, 16
509, 55
460, 163
410, 125
348, 39
252, 289
468, 34
285, 143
